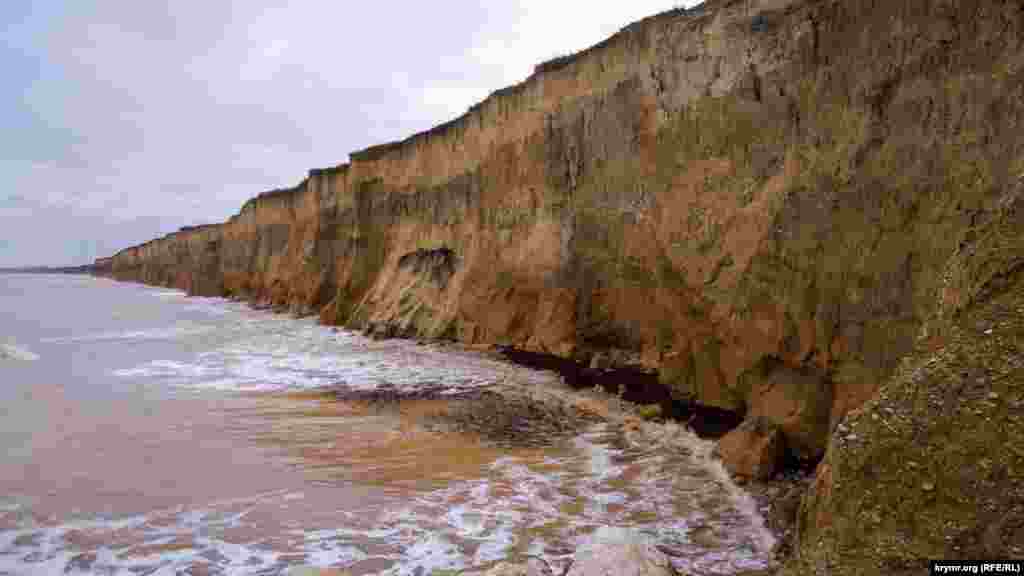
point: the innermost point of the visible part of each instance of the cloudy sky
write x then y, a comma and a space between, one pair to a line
121, 120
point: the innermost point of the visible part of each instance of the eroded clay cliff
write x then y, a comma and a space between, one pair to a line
757, 199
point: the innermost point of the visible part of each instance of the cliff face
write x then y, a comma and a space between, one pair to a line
759, 199
755, 198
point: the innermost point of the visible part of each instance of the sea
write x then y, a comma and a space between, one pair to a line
145, 432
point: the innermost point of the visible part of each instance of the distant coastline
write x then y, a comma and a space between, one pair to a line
83, 269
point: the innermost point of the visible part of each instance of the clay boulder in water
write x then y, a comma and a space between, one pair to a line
755, 449
613, 551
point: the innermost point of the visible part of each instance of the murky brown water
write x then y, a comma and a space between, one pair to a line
194, 436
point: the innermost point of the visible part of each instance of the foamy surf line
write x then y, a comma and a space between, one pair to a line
163, 542
173, 541
510, 511
169, 294
243, 351
181, 331
271, 354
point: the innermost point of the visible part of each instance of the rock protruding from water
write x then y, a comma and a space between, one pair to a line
532, 568
755, 449
11, 351
614, 551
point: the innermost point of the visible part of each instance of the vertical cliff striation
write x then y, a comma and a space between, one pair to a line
758, 199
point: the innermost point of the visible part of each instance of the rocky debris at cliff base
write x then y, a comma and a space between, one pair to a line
517, 413
517, 417
509, 411
389, 393
754, 450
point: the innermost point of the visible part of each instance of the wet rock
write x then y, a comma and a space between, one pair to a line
779, 501
31, 539
753, 450
785, 508
81, 562
379, 330
650, 412
535, 567
600, 362
614, 551
799, 403
516, 416
631, 424
704, 536
590, 408
389, 393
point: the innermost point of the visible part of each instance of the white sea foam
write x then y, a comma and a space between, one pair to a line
241, 351
429, 552
748, 529
496, 546
169, 294
158, 369
599, 455
52, 551
178, 331
469, 523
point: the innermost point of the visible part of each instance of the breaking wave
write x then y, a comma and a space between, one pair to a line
262, 352
179, 331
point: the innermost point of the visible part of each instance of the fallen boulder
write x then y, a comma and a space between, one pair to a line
755, 449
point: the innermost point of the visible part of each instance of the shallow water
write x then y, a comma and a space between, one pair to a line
149, 433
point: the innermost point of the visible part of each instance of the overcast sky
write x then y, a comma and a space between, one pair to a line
121, 120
